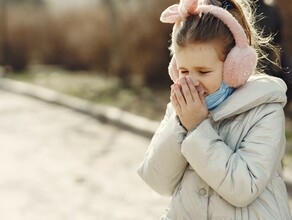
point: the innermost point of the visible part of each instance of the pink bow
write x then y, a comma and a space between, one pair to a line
179, 11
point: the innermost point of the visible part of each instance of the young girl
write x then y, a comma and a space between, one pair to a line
219, 148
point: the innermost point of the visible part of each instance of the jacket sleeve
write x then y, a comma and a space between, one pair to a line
164, 164
240, 176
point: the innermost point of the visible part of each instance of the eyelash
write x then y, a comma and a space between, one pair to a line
201, 72
204, 72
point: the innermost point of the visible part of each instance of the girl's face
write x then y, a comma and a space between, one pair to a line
201, 61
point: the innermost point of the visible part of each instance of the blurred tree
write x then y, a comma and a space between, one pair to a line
3, 33
31, 2
10, 57
115, 54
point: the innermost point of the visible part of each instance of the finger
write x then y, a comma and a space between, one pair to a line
175, 103
171, 89
179, 96
192, 86
196, 84
172, 94
186, 92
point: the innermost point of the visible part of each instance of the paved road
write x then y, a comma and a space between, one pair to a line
58, 164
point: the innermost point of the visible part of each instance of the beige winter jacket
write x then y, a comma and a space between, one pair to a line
229, 167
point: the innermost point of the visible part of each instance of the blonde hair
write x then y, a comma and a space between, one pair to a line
206, 28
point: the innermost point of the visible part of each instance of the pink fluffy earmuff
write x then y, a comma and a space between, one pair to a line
240, 62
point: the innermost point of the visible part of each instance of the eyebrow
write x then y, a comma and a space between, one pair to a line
201, 67
196, 68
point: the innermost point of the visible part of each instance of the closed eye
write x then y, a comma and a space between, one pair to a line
204, 72
184, 72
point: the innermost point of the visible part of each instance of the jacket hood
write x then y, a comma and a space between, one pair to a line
259, 89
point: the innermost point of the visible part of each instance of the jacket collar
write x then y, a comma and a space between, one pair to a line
259, 89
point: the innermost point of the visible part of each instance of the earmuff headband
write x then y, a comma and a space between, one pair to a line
241, 61
228, 19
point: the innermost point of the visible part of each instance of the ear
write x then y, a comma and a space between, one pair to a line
172, 69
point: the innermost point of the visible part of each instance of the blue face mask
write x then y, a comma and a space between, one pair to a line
216, 98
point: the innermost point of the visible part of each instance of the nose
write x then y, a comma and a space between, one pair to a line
194, 78
197, 83
184, 80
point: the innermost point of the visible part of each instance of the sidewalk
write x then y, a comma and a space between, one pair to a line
59, 163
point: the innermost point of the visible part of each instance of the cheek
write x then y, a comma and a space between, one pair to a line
217, 87
212, 87
214, 84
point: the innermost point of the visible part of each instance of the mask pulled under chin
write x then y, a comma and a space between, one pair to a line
216, 98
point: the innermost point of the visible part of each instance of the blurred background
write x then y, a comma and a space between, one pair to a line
119, 43
113, 49
64, 165
109, 51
